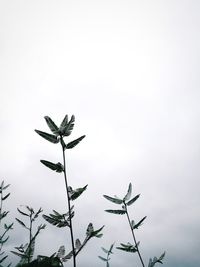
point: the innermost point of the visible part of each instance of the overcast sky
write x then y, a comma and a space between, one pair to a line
129, 72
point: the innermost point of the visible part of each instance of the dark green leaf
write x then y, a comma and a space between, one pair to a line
120, 212
114, 200
139, 223
52, 126
75, 142
90, 229
51, 138
58, 167
55, 221
64, 122
129, 192
96, 232
128, 247
132, 200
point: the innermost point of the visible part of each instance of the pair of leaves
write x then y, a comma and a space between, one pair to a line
155, 260
136, 225
75, 193
129, 247
59, 220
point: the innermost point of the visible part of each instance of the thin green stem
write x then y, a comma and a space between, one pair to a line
133, 234
69, 209
30, 238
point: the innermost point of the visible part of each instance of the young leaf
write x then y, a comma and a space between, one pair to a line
129, 192
66, 131
105, 250
68, 256
139, 223
90, 229
58, 167
114, 200
52, 126
75, 142
51, 138
130, 202
96, 232
78, 243
77, 192
120, 212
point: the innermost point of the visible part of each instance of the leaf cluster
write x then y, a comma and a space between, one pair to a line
108, 253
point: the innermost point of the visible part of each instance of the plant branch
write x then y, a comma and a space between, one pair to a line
69, 206
133, 234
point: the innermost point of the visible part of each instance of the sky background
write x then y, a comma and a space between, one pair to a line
129, 71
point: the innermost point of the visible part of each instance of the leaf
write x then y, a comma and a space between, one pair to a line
120, 212
6, 196
20, 222
56, 221
64, 122
132, 200
23, 213
50, 137
52, 126
128, 247
61, 252
96, 232
77, 192
66, 131
75, 142
105, 250
6, 186
129, 192
68, 256
114, 200
139, 223
78, 243
58, 167
156, 260
102, 258
1, 260
90, 229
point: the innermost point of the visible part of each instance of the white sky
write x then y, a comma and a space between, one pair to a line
128, 70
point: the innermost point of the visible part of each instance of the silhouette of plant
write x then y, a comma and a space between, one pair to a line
26, 252
125, 202
6, 228
66, 219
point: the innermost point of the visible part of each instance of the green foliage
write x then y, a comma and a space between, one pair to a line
58, 167
75, 193
129, 247
155, 260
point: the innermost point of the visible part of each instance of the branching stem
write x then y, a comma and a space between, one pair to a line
69, 209
133, 234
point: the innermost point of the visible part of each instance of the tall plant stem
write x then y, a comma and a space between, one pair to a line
134, 238
69, 209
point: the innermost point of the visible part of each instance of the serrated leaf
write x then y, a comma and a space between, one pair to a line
52, 126
75, 142
77, 192
102, 258
49, 137
20, 222
129, 192
119, 212
130, 202
114, 200
6, 196
58, 167
139, 223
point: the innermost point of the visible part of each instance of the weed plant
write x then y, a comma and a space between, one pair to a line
65, 219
